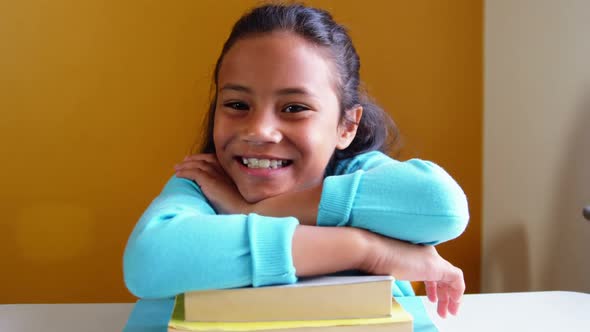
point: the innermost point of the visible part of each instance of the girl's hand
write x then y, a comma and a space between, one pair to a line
217, 186
444, 282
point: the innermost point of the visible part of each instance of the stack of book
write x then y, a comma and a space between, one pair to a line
322, 304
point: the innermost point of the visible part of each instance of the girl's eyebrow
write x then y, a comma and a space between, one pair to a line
236, 87
280, 92
295, 91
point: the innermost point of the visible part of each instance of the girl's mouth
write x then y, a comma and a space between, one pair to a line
264, 163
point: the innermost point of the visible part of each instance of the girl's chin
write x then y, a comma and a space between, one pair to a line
254, 197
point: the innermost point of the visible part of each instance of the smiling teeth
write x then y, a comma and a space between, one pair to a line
263, 163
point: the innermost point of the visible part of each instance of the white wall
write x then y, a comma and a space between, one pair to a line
536, 145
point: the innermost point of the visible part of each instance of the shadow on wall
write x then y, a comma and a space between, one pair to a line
508, 259
568, 268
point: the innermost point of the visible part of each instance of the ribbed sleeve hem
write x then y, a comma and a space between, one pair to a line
271, 249
337, 197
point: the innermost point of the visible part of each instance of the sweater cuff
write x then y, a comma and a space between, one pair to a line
271, 250
338, 194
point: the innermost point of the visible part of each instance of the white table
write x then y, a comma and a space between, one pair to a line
531, 311
98, 317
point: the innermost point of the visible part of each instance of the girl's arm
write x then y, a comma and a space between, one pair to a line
320, 250
180, 244
415, 201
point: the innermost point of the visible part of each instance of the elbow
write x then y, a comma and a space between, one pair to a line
444, 205
160, 261
141, 275
451, 209
145, 258
135, 270
436, 229
450, 227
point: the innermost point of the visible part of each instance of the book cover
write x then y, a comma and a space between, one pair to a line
318, 298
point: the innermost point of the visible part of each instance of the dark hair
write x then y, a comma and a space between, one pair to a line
376, 130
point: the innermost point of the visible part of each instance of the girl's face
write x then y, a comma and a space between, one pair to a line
277, 115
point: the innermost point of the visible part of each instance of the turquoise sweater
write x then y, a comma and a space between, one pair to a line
181, 244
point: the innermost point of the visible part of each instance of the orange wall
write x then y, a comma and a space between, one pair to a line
98, 100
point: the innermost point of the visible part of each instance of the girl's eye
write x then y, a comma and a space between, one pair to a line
237, 106
295, 109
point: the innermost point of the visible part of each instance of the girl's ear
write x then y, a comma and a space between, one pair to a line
347, 129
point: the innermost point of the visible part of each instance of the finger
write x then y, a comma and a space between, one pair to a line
202, 165
430, 290
455, 295
454, 301
454, 307
208, 157
443, 300
194, 174
195, 164
456, 291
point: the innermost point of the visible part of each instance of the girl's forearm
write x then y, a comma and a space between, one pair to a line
302, 205
323, 250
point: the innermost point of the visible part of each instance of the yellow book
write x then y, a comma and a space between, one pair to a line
398, 321
313, 298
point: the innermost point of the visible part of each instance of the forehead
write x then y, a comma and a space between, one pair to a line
276, 60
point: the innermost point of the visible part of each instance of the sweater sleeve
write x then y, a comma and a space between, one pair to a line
179, 244
415, 201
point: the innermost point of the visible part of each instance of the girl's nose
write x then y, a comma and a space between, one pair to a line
260, 127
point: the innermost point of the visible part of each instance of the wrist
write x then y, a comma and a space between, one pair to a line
368, 243
386, 256
366, 246
402, 260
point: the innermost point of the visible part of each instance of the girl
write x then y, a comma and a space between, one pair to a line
291, 181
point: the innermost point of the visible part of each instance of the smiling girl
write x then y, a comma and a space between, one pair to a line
292, 180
